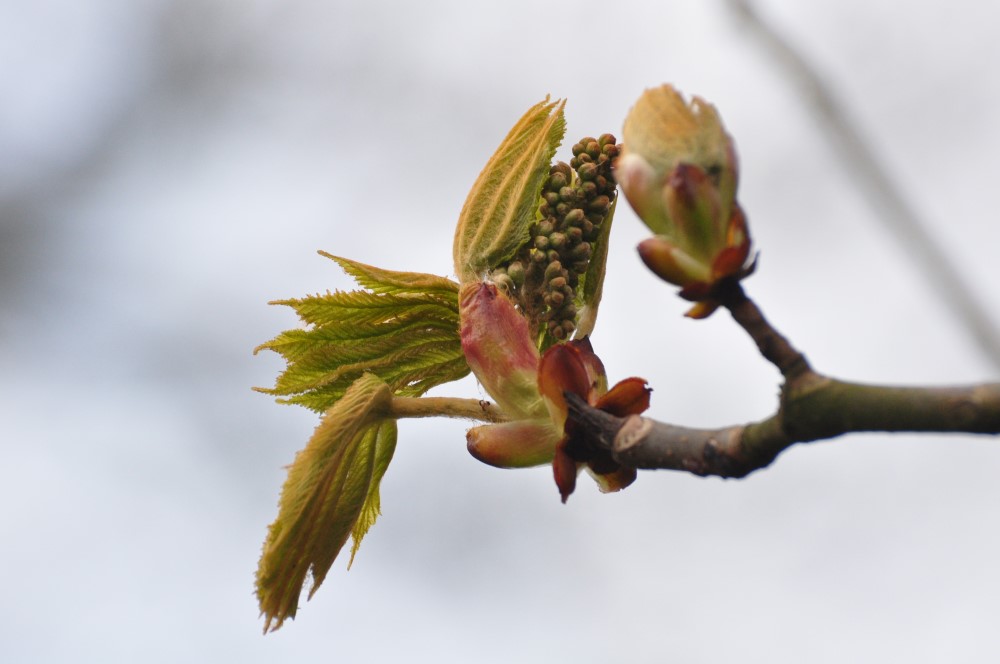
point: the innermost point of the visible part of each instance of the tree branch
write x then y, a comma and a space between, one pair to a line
812, 407
775, 348
828, 410
905, 223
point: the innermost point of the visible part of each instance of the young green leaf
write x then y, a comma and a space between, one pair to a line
404, 329
378, 280
411, 382
356, 308
329, 488
384, 447
501, 206
592, 283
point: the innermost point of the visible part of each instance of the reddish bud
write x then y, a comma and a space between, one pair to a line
517, 444
499, 349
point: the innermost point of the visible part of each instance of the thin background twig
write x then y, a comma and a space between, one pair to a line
873, 179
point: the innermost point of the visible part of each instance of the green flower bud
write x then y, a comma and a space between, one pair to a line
563, 168
580, 251
574, 217
557, 181
587, 171
503, 282
599, 204
516, 273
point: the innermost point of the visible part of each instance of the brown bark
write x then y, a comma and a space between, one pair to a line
812, 407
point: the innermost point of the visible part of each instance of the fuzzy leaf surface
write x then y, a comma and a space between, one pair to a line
592, 283
378, 280
495, 220
403, 328
385, 447
328, 486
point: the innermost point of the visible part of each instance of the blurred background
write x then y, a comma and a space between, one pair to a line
167, 167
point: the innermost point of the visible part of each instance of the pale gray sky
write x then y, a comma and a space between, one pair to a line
167, 167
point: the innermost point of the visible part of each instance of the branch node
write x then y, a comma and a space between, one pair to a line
632, 433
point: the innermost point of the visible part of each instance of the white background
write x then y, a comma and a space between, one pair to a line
167, 167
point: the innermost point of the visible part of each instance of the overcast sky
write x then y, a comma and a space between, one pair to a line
167, 167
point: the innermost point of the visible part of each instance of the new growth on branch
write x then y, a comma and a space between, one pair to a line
530, 252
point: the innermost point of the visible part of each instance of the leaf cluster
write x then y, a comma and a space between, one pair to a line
399, 335
403, 328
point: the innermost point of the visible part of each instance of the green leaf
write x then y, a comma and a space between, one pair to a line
328, 486
404, 329
503, 202
409, 382
328, 362
301, 345
378, 280
362, 307
384, 447
592, 283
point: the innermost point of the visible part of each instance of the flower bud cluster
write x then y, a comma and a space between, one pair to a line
544, 276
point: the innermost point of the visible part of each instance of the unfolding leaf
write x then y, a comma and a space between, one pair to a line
592, 283
356, 308
294, 344
328, 486
378, 280
385, 446
405, 381
410, 370
666, 130
326, 362
499, 348
501, 206
404, 329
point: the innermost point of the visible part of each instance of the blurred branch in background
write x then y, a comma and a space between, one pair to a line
873, 179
